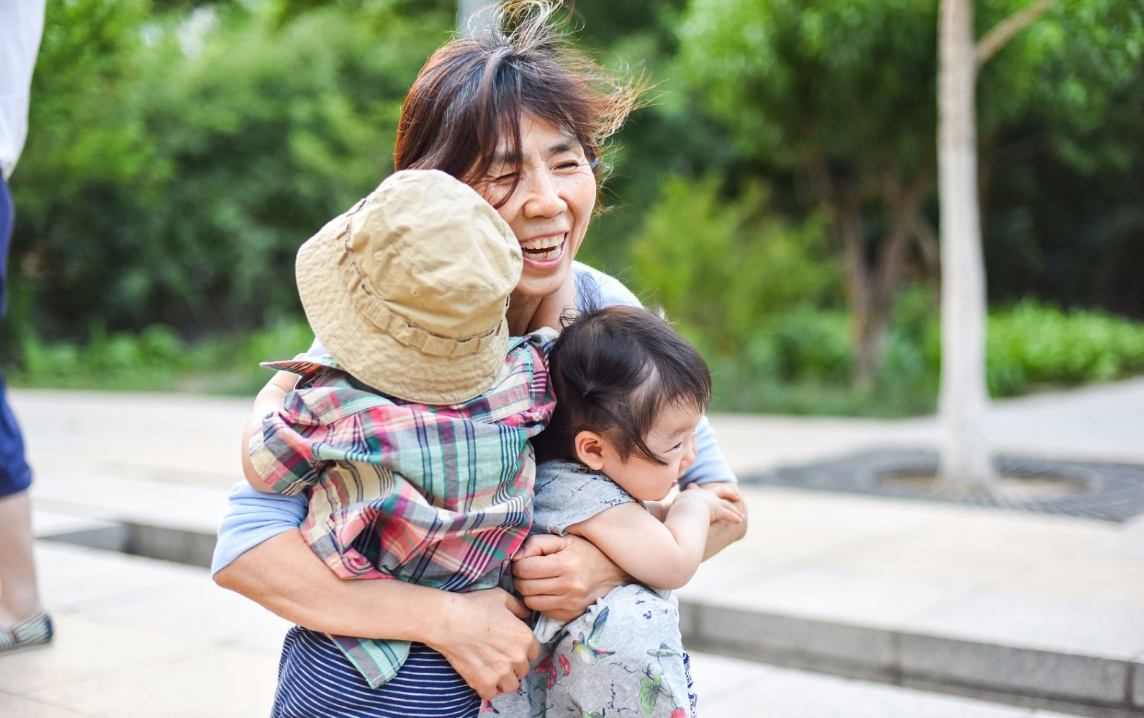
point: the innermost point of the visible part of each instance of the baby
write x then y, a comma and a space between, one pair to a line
630, 392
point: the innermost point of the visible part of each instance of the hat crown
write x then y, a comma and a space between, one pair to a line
408, 289
434, 252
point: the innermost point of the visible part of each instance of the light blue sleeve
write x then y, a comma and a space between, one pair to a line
596, 289
251, 518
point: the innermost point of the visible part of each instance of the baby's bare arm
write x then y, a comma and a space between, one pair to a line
660, 554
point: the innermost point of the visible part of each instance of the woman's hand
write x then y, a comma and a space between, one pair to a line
561, 576
485, 640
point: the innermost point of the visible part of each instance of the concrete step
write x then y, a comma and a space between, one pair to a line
141, 637
1053, 653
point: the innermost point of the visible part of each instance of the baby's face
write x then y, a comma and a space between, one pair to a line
672, 439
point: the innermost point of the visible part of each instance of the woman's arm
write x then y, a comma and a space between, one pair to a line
480, 633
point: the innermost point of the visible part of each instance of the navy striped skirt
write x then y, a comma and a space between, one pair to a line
315, 680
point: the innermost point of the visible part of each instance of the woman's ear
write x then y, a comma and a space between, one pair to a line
590, 449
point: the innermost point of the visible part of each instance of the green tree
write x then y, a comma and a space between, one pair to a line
966, 464
842, 93
176, 160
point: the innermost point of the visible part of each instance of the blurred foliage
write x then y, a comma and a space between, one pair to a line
796, 362
177, 172
181, 150
842, 94
1036, 345
854, 80
158, 359
727, 266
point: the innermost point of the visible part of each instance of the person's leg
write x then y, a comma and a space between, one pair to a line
624, 656
19, 594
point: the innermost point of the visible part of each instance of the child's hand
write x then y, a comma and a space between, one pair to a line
723, 490
720, 508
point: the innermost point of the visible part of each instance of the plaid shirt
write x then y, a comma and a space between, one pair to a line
439, 496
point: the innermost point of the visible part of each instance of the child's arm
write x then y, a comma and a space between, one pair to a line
662, 555
269, 399
659, 509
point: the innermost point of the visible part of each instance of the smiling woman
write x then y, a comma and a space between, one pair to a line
520, 117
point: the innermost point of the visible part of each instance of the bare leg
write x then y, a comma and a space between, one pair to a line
19, 594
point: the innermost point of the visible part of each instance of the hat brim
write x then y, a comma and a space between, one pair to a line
372, 356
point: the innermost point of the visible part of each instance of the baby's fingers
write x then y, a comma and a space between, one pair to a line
726, 511
723, 490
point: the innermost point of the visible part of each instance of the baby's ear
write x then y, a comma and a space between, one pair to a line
590, 449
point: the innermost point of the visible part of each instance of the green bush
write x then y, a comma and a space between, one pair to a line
799, 363
1034, 345
724, 264
156, 359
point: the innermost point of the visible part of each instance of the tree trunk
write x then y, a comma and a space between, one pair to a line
965, 456
871, 286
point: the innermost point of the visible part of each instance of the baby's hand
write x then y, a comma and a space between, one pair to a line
721, 508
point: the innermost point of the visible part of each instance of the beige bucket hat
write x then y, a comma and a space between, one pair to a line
407, 290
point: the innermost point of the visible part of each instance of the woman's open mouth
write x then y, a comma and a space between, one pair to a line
544, 250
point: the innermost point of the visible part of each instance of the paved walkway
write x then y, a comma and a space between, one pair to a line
1041, 610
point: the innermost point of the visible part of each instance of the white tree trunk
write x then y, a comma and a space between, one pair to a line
965, 455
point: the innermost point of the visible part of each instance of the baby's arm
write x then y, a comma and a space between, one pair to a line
269, 399
662, 555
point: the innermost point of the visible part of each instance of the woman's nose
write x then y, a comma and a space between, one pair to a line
542, 195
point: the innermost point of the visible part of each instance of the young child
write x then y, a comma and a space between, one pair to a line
411, 437
630, 392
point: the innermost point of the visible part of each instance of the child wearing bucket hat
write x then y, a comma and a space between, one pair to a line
411, 435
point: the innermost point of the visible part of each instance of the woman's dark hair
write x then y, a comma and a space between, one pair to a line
613, 371
472, 93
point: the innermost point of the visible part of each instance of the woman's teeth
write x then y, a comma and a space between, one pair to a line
543, 247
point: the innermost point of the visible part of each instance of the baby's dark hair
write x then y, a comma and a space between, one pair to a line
613, 371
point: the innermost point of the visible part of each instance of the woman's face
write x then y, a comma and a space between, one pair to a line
552, 204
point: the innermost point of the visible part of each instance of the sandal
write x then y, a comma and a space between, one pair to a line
35, 630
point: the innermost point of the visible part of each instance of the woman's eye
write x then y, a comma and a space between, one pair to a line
508, 177
569, 165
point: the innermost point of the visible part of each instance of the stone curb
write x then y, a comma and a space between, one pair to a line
1085, 685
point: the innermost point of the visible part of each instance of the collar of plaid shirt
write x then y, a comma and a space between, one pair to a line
440, 496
